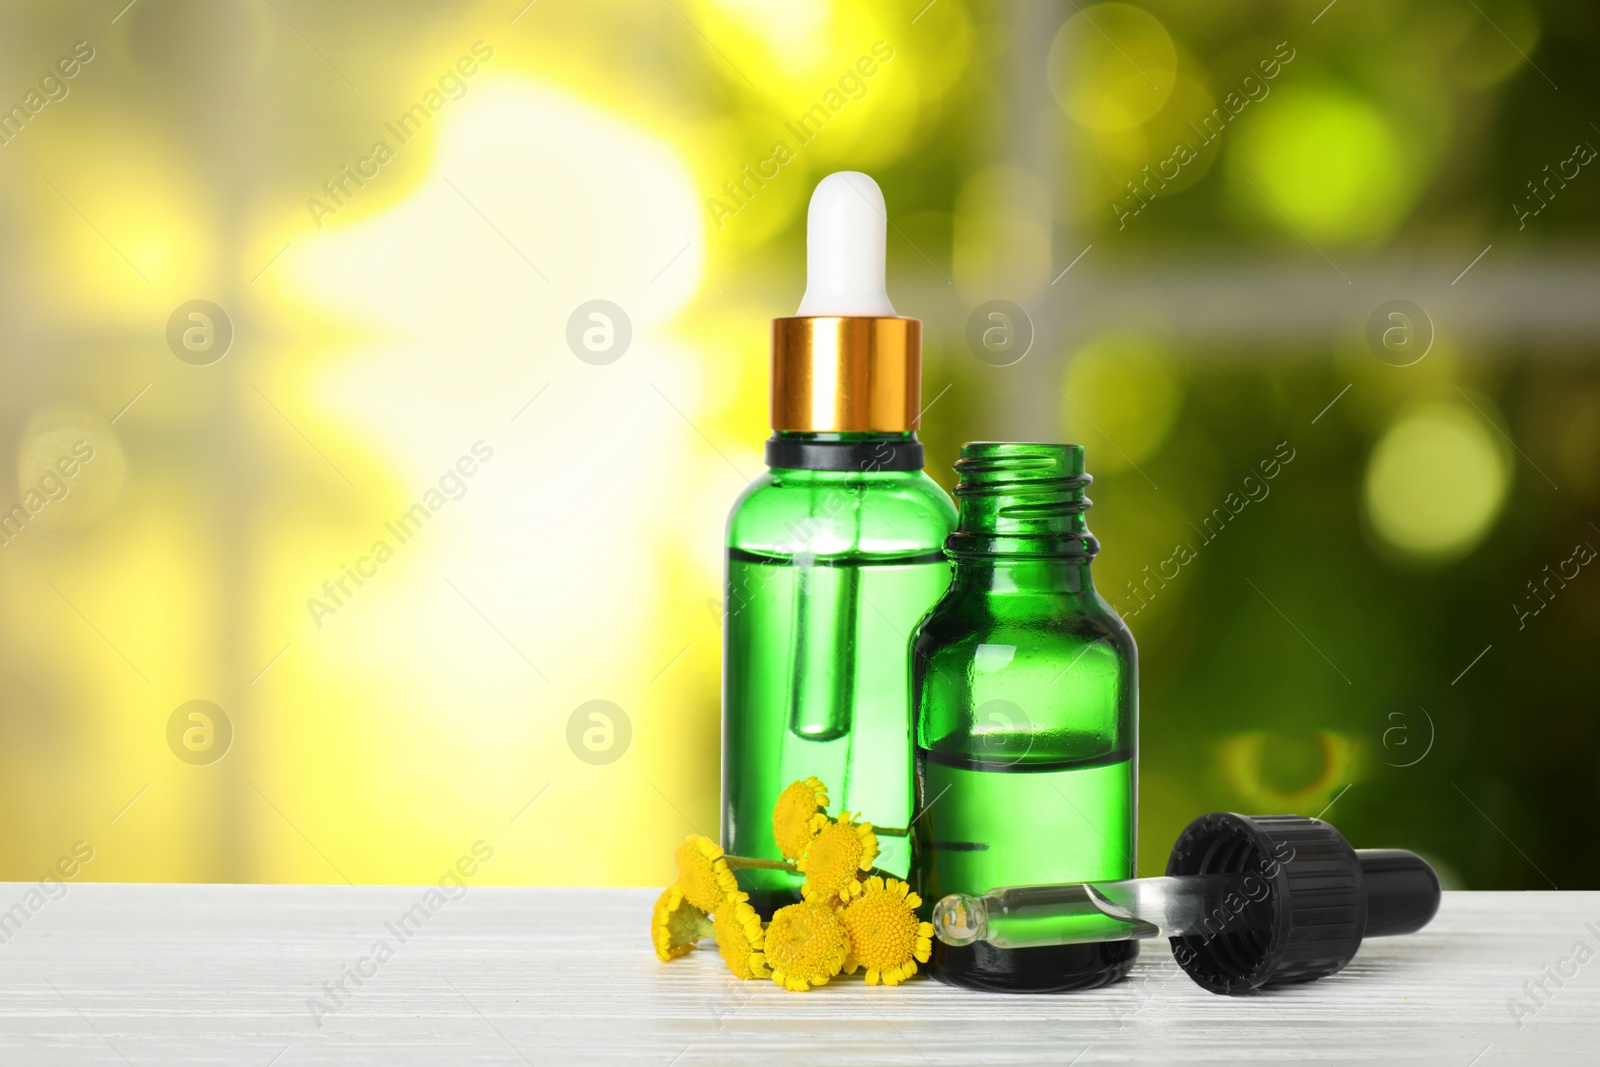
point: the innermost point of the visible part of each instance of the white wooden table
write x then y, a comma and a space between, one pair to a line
184, 974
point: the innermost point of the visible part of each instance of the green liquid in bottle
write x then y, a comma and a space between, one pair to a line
828, 574
1063, 816
1025, 684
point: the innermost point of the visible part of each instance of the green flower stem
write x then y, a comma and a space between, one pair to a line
751, 863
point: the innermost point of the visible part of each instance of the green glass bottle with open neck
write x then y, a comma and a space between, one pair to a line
1025, 692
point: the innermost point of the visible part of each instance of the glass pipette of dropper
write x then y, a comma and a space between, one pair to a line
1248, 901
1035, 915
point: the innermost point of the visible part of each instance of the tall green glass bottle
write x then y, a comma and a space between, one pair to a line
833, 555
828, 572
1025, 684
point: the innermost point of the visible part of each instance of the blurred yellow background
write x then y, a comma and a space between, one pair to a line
307, 285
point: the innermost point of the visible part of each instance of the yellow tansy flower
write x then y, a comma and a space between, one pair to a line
797, 805
703, 873
676, 924
885, 935
805, 945
838, 852
739, 937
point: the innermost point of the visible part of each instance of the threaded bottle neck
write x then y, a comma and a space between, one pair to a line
1022, 500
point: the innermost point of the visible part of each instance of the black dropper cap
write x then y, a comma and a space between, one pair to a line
1309, 899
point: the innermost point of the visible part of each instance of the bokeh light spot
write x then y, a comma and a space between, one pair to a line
1324, 162
1001, 232
1127, 387
1112, 66
1286, 770
1436, 481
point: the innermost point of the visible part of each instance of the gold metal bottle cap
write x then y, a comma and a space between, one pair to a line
851, 374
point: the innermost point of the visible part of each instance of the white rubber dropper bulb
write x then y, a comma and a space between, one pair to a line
845, 231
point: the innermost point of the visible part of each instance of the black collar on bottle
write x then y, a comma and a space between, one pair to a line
865, 456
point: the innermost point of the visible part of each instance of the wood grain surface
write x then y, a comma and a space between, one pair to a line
194, 974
